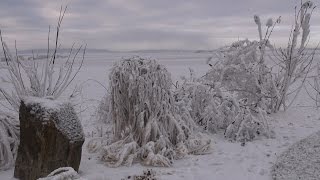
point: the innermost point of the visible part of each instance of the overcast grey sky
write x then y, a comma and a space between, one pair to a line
146, 24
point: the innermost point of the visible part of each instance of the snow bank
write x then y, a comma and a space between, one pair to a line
300, 161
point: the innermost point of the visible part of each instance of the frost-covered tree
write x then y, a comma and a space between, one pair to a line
147, 123
295, 60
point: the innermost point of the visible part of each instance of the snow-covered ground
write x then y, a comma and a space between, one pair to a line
300, 161
228, 161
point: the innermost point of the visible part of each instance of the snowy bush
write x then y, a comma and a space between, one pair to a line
9, 140
147, 125
243, 66
216, 110
242, 87
247, 126
204, 105
242, 71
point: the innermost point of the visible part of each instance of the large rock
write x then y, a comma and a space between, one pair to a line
51, 136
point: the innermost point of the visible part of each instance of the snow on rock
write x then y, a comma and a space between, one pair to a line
64, 173
51, 137
65, 120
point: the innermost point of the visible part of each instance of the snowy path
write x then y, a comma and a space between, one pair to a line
300, 161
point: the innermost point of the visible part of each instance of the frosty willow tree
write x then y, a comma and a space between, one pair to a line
146, 121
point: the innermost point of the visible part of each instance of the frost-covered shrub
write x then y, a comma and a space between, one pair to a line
9, 140
247, 126
237, 91
205, 105
215, 110
241, 71
243, 66
147, 124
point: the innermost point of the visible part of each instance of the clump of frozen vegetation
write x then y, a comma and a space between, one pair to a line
147, 124
238, 91
25, 77
217, 110
9, 140
242, 70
